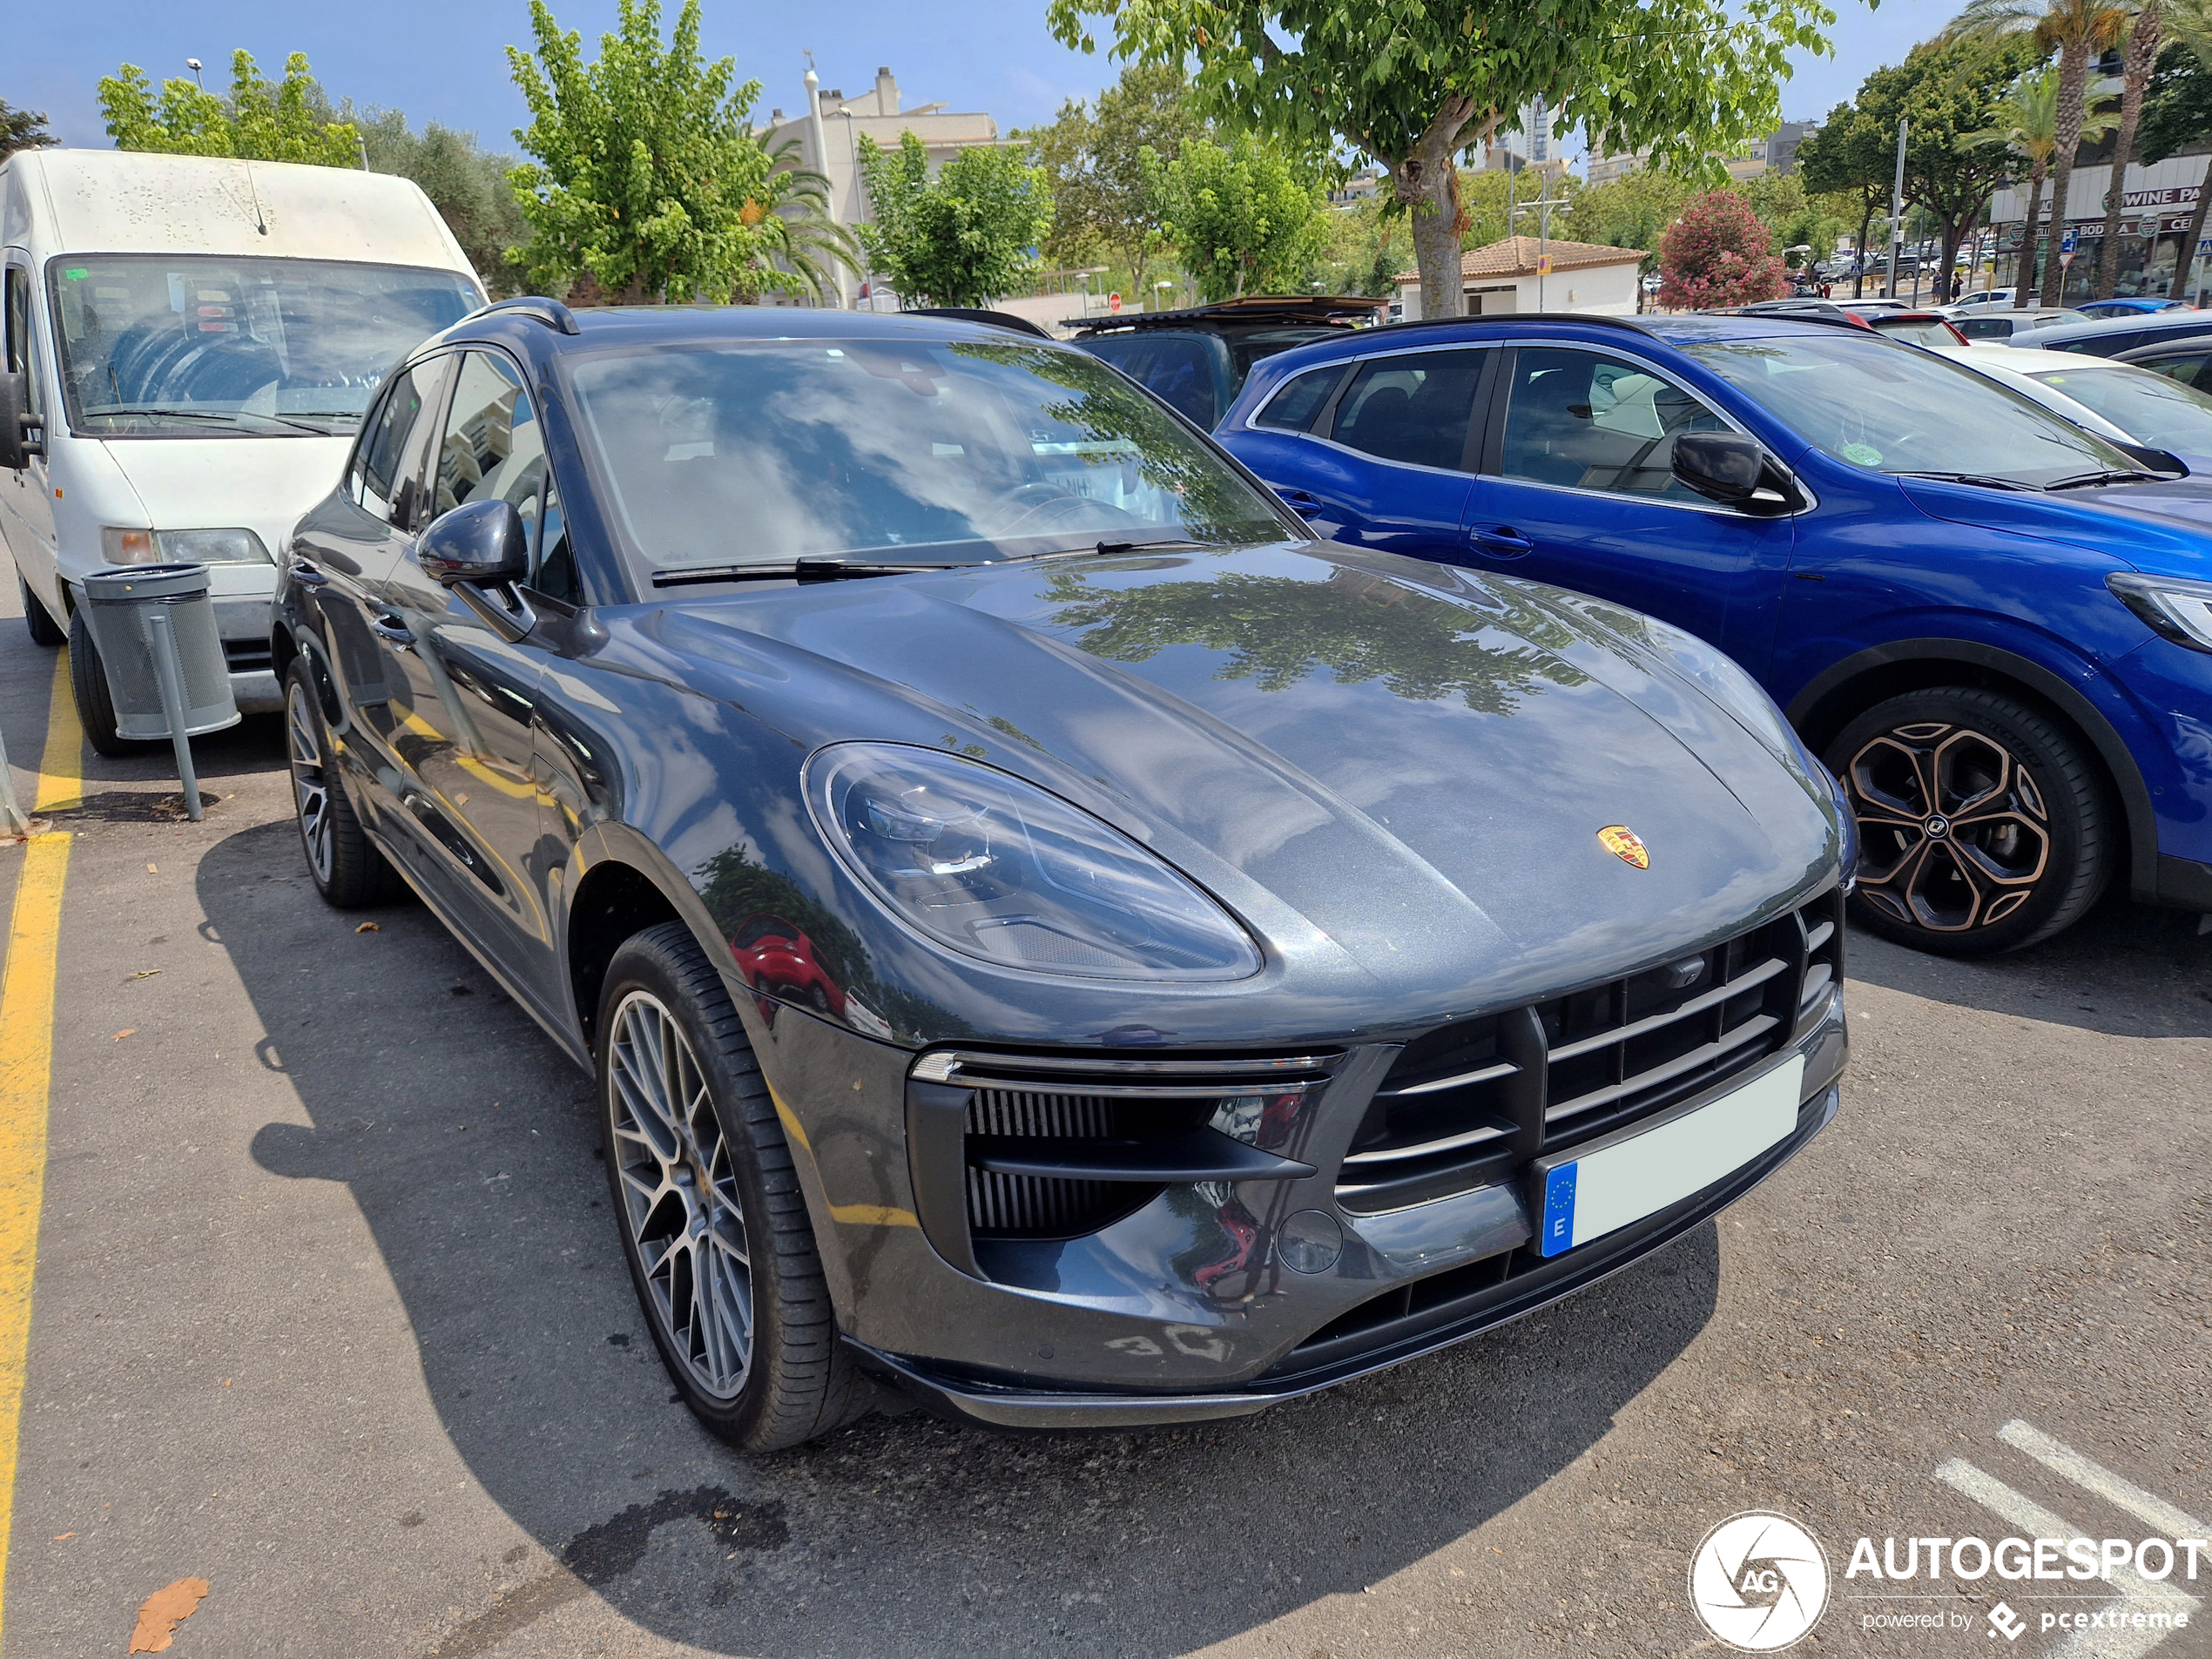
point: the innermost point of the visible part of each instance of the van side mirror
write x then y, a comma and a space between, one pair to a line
17, 424
478, 546
1730, 469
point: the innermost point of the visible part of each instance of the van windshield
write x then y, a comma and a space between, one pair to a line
157, 345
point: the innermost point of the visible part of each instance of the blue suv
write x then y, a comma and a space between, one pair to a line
1996, 628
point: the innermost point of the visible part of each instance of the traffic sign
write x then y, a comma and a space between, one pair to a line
1114, 303
1543, 265
2068, 242
2066, 257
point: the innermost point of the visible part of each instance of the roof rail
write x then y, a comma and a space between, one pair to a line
1634, 325
537, 308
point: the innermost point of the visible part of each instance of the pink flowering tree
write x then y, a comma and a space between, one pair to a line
1717, 253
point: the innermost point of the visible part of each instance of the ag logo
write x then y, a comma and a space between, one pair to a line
1759, 1582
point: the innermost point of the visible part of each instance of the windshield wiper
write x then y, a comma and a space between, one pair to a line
229, 417
1133, 547
2082, 480
1983, 480
809, 569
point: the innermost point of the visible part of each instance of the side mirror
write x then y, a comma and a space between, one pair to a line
478, 546
17, 423
1730, 469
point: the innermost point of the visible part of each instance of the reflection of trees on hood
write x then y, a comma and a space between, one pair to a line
1217, 505
1357, 625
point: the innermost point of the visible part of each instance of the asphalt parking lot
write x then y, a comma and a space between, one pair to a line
328, 1312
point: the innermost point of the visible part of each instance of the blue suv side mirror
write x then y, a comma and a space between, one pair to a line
1730, 469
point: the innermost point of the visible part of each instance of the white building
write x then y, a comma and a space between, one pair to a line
2157, 206
1505, 277
829, 130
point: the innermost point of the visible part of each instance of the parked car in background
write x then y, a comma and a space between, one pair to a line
1196, 359
1870, 308
1793, 307
1917, 327
2110, 337
2001, 323
1979, 298
2136, 305
2116, 401
1049, 935
194, 340
2189, 361
1996, 627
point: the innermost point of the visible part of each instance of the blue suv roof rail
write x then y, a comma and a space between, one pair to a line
1633, 325
537, 308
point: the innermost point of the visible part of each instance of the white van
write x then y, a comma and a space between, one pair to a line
196, 339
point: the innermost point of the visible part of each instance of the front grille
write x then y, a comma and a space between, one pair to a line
1056, 1146
1465, 1104
246, 655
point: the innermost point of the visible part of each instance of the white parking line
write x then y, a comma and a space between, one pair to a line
2137, 1594
2058, 1456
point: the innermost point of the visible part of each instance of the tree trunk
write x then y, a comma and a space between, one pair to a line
1953, 232
1858, 249
2186, 262
1427, 181
2031, 238
2141, 57
2073, 82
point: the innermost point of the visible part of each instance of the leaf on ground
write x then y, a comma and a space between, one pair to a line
146, 973
368, 928
150, 870
162, 1611
126, 1032
63, 1537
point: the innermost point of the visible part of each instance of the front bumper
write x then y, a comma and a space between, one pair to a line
1195, 1303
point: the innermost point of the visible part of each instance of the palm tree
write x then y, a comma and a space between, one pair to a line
2080, 31
2027, 125
2137, 60
792, 211
2189, 22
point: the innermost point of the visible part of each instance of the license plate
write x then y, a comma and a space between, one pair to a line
1593, 1193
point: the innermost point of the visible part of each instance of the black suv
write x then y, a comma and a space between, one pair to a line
1197, 360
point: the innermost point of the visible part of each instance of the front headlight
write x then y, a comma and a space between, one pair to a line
182, 547
997, 869
2172, 607
1847, 824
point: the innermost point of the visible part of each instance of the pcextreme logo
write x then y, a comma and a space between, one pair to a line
1759, 1582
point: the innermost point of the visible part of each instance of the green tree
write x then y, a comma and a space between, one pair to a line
1094, 159
1631, 211
2027, 123
22, 130
1849, 156
2079, 31
644, 170
1796, 217
1412, 82
1951, 94
259, 121
1243, 218
2177, 114
963, 238
469, 186
2138, 62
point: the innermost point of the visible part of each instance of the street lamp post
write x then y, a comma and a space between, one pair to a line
192, 64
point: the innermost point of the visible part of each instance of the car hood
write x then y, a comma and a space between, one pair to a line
264, 484
2164, 529
1410, 762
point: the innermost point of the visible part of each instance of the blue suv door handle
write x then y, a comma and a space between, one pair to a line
1304, 505
1503, 539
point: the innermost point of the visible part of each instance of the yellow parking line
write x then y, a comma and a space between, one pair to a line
26, 1064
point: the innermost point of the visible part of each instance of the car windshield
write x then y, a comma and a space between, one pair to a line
2151, 408
922, 451
198, 346
1869, 403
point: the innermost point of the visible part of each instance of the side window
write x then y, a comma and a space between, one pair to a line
494, 448
1589, 422
1292, 408
2194, 370
1177, 368
1414, 408
392, 445
20, 354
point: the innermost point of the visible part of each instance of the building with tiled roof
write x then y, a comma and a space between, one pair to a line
1525, 273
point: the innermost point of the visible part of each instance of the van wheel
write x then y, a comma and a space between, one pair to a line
45, 631
1982, 828
713, 1225
88, 685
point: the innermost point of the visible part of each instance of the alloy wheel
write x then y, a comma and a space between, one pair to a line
311, 783
679, 1195
1953, 833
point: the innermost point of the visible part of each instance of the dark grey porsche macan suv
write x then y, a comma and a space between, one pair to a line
1051, 938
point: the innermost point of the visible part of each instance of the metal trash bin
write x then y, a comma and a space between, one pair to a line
119, 605
154, 628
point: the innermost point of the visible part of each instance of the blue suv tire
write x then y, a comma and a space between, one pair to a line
1983, 826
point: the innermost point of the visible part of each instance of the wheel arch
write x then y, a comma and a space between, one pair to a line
1833, 696
623, 885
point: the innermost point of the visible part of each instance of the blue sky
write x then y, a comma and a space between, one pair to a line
441, 59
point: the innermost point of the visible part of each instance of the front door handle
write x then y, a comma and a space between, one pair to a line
1304, 505
307, 576
1502, 539
393, 631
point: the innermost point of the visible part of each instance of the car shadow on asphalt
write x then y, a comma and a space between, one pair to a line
468, 1143
2125, 969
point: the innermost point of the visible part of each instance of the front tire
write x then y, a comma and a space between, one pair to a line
1982, 826
88, 687
45, 631
342, 861
712, 1222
